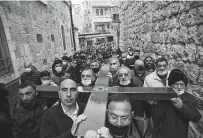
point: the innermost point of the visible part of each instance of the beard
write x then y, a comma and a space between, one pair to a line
162, 73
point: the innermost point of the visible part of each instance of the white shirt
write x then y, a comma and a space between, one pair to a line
72, 115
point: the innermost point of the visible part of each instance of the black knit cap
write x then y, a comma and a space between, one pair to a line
177, 75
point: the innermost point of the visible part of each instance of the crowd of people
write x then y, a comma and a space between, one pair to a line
34, 117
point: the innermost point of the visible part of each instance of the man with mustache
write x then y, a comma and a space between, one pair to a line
28, 112
159, 77
119, 121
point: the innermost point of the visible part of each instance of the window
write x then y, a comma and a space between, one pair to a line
63, 37
52, 38
5, 60
39, 38
101, 12
115, 17
97, 12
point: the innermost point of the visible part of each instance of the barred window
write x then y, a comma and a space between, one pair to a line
5, 59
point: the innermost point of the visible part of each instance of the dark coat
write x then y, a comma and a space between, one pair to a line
57, 78
5, 120
26, 122
170, 122
55, 124
33, 76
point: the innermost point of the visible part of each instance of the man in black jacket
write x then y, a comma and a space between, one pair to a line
60, 121
27, 113
30, 74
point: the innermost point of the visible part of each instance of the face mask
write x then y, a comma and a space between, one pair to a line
95, 70
28, 70
64, 63
162, 73
58, 69
125, 82
123, 59
136, 57
86, 82
118, 131
130, 54
179, 93
46, 82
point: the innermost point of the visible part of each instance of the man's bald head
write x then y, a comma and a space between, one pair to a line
68, 82
124, 55
139, 67
139, 62
27, 64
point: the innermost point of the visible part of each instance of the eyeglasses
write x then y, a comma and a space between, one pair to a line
115, 119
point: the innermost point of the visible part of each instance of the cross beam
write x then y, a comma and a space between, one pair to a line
95, 109
136, 93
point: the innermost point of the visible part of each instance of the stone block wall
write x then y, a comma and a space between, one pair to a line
23, 21
173, 29
170, 28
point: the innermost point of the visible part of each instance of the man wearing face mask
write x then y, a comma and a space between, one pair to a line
171, 118
130, 62
95, 66
58, 74
30, 74
119, 122
123, 59
87, 80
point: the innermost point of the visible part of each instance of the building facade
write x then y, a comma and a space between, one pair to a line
98, 22
34, 31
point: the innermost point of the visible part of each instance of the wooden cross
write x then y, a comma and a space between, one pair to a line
95, 109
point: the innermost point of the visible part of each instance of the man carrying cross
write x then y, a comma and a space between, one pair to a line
119, 122
60, 120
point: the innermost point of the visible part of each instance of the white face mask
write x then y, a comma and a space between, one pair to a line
86, 82
125, 82
162, 73
46, 82
64, 63
179, 93
28, 70
58, 69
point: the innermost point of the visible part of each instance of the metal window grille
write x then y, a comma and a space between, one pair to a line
5, 60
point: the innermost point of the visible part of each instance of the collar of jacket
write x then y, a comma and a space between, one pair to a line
156, 77
60, 74
81, 109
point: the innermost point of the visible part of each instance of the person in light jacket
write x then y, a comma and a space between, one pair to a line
171, 118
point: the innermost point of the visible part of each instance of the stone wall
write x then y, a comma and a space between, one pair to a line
170, 28
23, 21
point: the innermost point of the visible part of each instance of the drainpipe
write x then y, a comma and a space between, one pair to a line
72, 26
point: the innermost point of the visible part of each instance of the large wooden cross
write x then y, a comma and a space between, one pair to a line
95, 109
